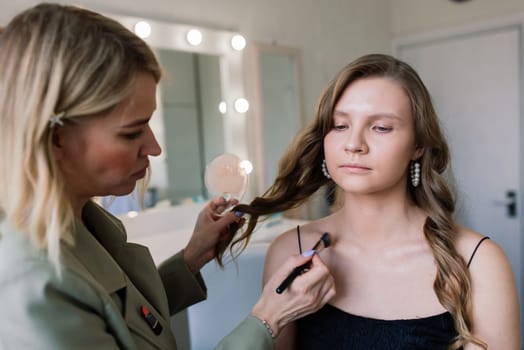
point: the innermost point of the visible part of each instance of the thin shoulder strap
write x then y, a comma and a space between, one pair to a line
475, 250
299, 242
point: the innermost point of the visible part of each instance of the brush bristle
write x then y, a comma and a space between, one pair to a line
326, 239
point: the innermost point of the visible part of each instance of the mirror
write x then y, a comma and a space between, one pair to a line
277, 110
225, 176
190, 98
196, 119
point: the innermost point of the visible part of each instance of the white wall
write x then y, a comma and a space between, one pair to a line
410, 17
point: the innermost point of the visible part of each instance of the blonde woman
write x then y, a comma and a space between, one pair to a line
407, 275
77, 91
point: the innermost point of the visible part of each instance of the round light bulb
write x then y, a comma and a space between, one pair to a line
142, 29
247, 166
194, 37
238, 42
241, 105
222, 107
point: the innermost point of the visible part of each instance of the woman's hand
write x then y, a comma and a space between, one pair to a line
210, 228
306, 294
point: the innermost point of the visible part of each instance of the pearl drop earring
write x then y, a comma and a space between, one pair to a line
414, 171
324, 169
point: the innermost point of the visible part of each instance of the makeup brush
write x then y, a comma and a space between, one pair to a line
323, 242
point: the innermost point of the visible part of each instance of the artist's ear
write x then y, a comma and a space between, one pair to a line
419, 151
57, 141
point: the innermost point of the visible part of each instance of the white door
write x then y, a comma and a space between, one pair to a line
474, 80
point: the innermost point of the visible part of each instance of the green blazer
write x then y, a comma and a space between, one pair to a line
105, 294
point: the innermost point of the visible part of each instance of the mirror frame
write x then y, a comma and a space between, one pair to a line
172, 36
256, 49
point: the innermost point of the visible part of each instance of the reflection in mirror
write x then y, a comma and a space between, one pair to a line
190, 97
280, 104
279, 114
188, 124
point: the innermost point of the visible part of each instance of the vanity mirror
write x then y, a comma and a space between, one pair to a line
277, 108
278, 113
200, 104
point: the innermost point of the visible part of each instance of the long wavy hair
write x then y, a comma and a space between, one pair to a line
56, 59
300, 176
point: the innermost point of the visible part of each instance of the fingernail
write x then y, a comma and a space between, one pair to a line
239, 214
309, 253
226, 196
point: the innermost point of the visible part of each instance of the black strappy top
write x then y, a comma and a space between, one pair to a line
334, 329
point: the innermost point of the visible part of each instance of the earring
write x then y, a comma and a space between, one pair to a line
414, 171
324, 169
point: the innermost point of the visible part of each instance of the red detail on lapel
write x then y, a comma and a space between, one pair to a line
151, 320
144, 310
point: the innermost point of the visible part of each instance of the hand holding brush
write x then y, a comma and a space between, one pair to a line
323, 242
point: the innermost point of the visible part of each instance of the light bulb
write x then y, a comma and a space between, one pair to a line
194, 37
241, 105
222, 107
238, 42
247, 166
142, 29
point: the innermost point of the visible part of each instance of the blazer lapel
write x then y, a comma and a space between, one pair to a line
120, 268
96, 260
144, 320
134, 259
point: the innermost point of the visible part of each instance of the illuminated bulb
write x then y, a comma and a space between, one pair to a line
238, 42
241, 105
132, 213
222, 107
247, 166
143, 29
194, 37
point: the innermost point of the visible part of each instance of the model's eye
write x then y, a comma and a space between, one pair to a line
382, 129
340, 126
133, 135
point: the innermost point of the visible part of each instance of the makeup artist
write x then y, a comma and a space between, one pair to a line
77, 91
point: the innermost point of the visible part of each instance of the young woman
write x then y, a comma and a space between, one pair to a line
407, 275
77, 91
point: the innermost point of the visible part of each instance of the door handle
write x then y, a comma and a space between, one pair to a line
510, 203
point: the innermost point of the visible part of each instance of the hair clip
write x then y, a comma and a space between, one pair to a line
56, 120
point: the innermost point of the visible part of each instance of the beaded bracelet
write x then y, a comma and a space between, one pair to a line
269, 329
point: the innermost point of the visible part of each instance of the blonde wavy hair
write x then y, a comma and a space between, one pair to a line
56, 59
300, 176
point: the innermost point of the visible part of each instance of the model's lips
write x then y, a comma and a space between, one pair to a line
355, 168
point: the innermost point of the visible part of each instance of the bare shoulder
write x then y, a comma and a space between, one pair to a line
494, 291
473, 246
291, 242
280, 248
490, 269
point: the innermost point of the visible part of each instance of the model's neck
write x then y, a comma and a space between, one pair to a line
369, 218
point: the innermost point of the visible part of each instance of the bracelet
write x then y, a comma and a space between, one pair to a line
269, 329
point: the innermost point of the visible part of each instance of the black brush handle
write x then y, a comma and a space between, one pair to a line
325, 241
297, 271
